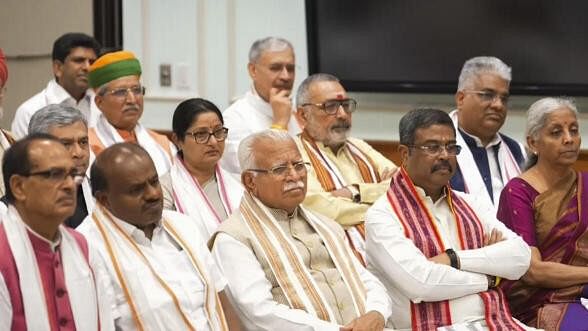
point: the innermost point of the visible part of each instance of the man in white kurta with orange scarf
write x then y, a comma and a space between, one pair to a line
159, 269
48, 278
439, 252
288, 268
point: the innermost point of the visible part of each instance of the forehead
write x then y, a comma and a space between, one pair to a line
126, 81
435, 132
130, 170
77, 129
82, 52
561, 116
206, 120
270, 153
491, 81
270, 57
320, 91
46, 154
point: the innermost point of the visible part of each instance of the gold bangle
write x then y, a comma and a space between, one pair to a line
278, 127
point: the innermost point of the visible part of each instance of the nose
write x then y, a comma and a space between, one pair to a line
130, 96
285, 74
76, 150
443, 154
152, 192
567, 137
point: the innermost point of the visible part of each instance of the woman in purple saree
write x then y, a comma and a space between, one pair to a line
546, 206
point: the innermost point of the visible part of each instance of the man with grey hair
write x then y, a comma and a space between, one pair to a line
347, 174
489, 159
300, 272
69, 125
268, 104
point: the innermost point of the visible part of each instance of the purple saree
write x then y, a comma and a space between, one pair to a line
556, 222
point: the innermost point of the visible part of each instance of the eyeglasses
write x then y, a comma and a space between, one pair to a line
279, 67
490, 96
202, 137
436, 149
332, 106
300, 167
121, 93
55, 174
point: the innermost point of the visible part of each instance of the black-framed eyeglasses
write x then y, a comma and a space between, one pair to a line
436, 149
490, 96
332, 106
121, 93
300, 167
202, 137
55, 174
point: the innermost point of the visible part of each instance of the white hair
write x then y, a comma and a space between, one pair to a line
246, 152
541, 109
268, 44
479, 65
302, 95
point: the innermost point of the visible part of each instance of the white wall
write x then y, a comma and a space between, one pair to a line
211, 38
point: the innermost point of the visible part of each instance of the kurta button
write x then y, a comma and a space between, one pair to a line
60, 292
63, 321
56, 264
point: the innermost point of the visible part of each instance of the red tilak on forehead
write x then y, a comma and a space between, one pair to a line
339, 96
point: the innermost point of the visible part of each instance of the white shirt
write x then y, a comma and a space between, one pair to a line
495, 175
171, 264
52, 94
409, 276
247, 115
250, 292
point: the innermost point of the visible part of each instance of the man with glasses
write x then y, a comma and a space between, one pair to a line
48, 274
115, 77
288, 268
72, 55
347, 175
489, 159
69, 126
268, 104
440, 253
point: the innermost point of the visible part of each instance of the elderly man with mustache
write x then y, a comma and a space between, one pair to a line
440, 253
115, 77
347, 175
489, 159
288, 268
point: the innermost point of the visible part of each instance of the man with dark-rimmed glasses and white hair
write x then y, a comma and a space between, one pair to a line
347, 174
287, 267
489, 159
440, 253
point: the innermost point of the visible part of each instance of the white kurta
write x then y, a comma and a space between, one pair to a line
247, 115
409, 276
170, 263
250, 291
52, 94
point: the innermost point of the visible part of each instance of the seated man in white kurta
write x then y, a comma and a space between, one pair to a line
272, 69
288, 268
440, 252
160, 271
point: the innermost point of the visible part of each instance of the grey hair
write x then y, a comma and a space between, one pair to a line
421, 118
479, 65
55, 115
246, 152
537, 118
271, 44
302, 95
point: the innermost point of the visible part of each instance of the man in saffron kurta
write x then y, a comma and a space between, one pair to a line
288, 268
47, 271
159, 269
440, 253
347, 174
115, 77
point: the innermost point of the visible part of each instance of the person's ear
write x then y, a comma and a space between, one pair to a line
179, 143
57, 69
252, 70
459, 99
17, 186
301, 117
532, 145
248, 180
102, 198
404, 152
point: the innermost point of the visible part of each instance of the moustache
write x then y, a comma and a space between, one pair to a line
341, 125
443, 164
293, 185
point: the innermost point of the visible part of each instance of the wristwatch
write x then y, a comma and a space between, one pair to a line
355, 196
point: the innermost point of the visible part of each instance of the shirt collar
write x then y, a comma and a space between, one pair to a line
134, 232
52, 244
472, 140
282, 215
421, 192
57, 94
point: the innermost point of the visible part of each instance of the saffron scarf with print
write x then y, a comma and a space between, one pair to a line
288, 267
122, 250
420, 227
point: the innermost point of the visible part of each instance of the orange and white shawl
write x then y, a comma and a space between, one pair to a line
287, 265
122, 250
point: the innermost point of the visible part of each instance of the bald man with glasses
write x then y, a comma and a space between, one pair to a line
347, 175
